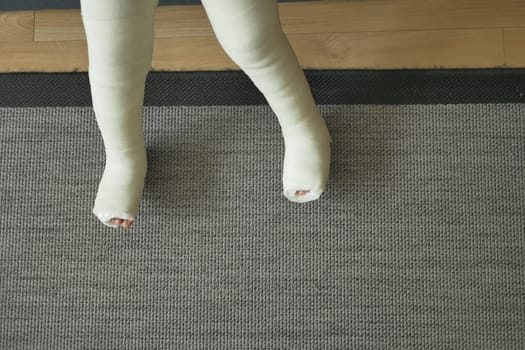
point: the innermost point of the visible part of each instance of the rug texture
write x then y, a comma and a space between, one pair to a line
418, 241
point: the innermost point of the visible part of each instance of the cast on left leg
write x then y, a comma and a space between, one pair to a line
250, 33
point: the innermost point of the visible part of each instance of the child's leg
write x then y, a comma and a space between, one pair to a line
120, 46
250, 32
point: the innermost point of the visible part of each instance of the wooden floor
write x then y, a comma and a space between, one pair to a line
331, 34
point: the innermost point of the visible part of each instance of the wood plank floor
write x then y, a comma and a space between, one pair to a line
327, 34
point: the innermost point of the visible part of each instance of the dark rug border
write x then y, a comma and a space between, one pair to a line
400, 86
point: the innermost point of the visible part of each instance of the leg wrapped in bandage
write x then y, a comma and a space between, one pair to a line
250, 33
119, 37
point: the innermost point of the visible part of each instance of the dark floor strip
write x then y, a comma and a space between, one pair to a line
451, 86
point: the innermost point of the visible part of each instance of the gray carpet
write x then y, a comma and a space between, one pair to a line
417, 243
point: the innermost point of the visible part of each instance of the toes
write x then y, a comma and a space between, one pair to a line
301, 193
123, 223
127, 223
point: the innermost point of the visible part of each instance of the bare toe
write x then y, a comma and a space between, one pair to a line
127, 223
116, 220
301, 193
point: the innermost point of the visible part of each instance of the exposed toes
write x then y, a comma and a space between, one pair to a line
123, 223
301, 193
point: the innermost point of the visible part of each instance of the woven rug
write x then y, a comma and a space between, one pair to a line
418, 241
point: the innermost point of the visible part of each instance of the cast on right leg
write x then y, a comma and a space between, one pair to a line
119, 36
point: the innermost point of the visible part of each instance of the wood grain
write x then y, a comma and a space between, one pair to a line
458, 4
514, 47
51, 56
307, 17
58, 25
372, 50
334, 17
328, 34
16, 26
